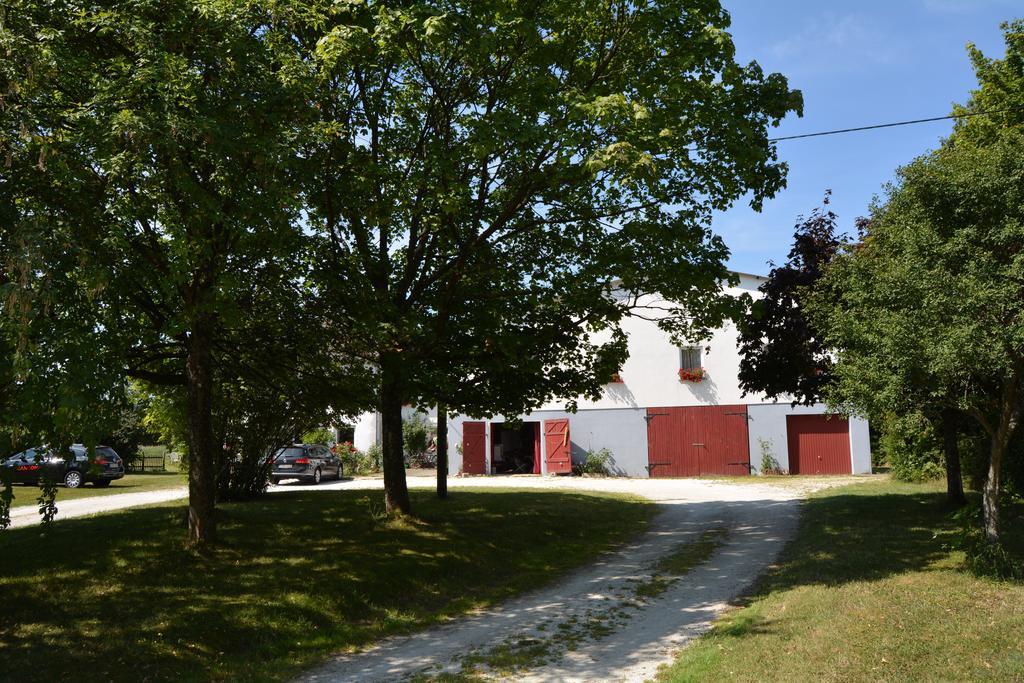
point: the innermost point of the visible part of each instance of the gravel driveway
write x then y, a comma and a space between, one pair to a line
27, 515
616, 620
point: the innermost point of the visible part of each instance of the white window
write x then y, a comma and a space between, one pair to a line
690, 358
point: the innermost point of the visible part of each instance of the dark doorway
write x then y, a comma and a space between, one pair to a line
515, 449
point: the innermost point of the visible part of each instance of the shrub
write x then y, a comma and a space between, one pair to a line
911, 447
415, 438
597, 462
769, 465
321, 435
358, 462
984, 558
373, 458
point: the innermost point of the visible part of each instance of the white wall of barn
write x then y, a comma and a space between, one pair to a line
650, 380
766, 425
623, 431
650, 376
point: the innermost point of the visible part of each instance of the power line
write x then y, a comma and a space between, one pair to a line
898, 123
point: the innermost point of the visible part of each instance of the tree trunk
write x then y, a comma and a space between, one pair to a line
990, 494
442, 451
396, 493
202, 529
951, 449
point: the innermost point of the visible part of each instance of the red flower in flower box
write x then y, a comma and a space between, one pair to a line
691, 374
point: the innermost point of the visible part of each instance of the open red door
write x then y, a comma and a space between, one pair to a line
558, 446
474, 448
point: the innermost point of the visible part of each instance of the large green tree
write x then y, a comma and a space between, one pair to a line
934, 296
498, 181
163, 139
926, 312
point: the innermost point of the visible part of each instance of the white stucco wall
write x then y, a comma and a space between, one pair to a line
650, 374
367, 431
767, 423
650, 380
622, 431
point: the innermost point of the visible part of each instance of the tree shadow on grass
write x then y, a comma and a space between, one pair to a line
297, 575
861, 535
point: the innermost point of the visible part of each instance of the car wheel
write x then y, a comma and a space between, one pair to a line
317, 475
73, 479
101, 484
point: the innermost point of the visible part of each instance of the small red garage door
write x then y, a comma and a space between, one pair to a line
558, 446
474, 448
687, 442
819, 444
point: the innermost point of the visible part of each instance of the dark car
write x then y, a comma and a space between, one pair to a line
74, 469
309, 462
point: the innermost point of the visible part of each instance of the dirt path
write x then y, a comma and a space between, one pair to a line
619, 619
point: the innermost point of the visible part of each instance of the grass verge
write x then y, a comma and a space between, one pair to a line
296, 576
870, 589
129, 483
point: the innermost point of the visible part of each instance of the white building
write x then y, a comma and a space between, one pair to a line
655, 423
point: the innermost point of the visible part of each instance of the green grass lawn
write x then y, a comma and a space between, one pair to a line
870, 589
130, 483
297, 576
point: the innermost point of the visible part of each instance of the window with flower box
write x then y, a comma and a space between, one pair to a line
691, 367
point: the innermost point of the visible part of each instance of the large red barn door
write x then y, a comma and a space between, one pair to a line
474, 448
819, 444
671, 435
558, 446
690, 441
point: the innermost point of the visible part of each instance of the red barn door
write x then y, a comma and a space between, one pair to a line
696, 440
558, 446
474, 447
819, 444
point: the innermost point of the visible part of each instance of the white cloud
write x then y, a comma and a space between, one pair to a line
838, 42
963, 6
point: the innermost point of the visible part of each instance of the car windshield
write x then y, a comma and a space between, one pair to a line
290, 452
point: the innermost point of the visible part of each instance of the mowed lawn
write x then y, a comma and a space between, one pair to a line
296, 577
872, 588
130, 483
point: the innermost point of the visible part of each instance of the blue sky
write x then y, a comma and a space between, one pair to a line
857, 63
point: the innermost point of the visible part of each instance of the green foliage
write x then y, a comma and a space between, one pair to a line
781, 351
6, 498
911, 447
352, 460
320, 435
482, 175
983, 557
47, 499
597, 462
927, 312
415, 436
174, 248
1000, 90
130, 432
374, 458
769, 464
